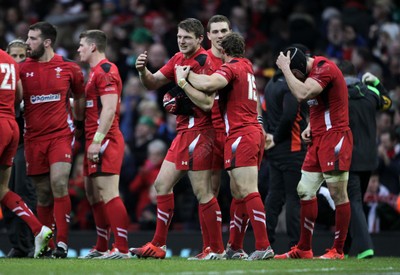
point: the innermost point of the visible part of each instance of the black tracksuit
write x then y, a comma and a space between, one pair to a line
364, 103
285, 119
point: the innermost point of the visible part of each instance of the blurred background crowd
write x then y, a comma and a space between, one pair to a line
366, 32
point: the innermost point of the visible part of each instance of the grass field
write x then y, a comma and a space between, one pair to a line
185, 267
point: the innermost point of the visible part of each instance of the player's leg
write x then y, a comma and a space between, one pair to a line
164, 183
337, 185
210, 211
115, 211
100, 219
59, 175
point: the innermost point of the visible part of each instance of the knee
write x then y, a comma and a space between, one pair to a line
305, 191
162, 188
59, 186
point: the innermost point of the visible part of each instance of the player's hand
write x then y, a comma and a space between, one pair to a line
182, 72
269, 141
141, 62
93, 152
369, 78
283, 61
306, 135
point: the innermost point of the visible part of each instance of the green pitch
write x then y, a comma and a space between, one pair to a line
185, 267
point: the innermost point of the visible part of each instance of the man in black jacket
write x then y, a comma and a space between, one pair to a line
285, 121
366, 98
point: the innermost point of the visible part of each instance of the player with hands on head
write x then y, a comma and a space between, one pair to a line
319, 81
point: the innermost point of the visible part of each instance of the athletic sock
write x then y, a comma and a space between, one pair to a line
102, 226
118, 218
212, 218
165, 212
62, 211
308, 215
342, 218
238, 224
256, 212
46, 217
204, 231
14, 202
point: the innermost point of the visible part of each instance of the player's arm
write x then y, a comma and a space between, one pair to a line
301, 90
202, 100
207, 83
149, 80
19, 93
109, 103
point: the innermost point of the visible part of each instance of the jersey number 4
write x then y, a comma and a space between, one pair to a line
252, 87
8, 82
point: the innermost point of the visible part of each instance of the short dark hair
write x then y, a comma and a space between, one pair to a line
48, 31
233, 45
298, 60
192, 25
216, 19
97, 37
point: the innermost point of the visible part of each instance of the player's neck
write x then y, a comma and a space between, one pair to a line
47, 56
216, 52
96, 58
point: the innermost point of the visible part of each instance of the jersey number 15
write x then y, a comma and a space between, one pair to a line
252, 87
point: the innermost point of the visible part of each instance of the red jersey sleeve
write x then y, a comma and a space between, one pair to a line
322, 73
226, 72
77, 85
107, 83
168, 70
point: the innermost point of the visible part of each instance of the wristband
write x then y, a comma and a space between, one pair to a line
98, 137
78, 124
376, 82
260, 120
182, 83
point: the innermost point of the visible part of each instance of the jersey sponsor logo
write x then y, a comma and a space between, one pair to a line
109, 89
89, 104
35, 99
330, 163
312, 102
184, 162
29, 74
58, 71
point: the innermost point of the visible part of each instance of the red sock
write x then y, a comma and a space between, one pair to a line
256, 212
308, 215
62, 211
14, 202
212, 218
343, 215
165, 211
46, 217
204, 230
102, 226
238, 224
118, 217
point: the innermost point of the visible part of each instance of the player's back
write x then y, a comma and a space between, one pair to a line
238, 99
329, 110
9, 77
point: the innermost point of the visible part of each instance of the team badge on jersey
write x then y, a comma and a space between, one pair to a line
58, 71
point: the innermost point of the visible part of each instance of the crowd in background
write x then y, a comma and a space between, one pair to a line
365, 32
